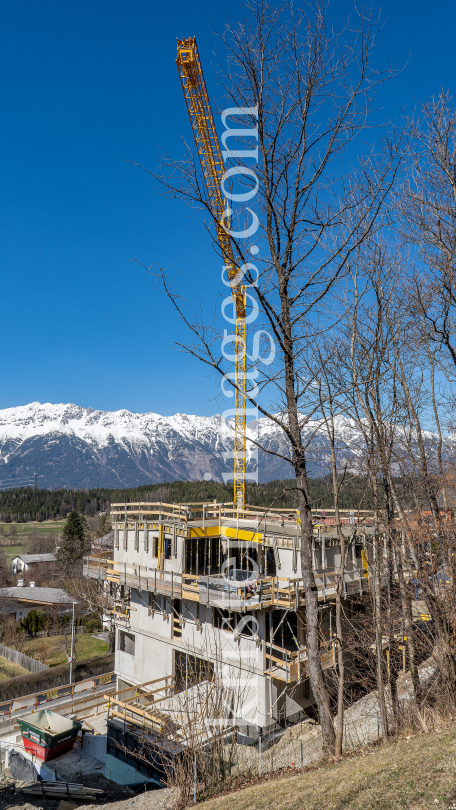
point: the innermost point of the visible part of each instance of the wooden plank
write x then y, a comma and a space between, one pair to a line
276, 647
277, 660
135, 710
47, 783
152, 692
160, 700
279, 676
146, 683
135, 722
190, 596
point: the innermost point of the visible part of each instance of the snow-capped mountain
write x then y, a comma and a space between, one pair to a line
67, 445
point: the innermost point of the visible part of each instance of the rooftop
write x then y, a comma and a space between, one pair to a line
36, 558
50, 596
251, 518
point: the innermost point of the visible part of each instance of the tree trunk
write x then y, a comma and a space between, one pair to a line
408, 630
319, 689
340, 673
379, 641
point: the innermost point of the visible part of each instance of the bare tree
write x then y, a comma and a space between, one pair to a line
96, 600
308, 92
329, 414
428, 207
41, 543
367, 360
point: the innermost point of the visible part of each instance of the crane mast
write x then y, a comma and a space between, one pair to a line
208, 146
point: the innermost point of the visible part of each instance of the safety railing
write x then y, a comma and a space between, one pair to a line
292, 666
197, 511
18, 705
137, 705
218, 590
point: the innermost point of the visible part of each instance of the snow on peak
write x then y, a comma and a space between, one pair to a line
96, 427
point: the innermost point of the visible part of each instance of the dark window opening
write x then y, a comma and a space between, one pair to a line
282, 630
167, 554
126, 642
190, 670
270, 563
229, 621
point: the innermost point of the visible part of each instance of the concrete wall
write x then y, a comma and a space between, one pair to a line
56, 676
95, 746
152, 659
123, 774
240, 659
141, 553
141, 556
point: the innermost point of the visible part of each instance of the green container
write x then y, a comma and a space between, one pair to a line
47, 734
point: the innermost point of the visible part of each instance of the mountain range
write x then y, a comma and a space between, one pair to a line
69, 446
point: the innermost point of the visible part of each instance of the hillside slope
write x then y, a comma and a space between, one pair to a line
419, 772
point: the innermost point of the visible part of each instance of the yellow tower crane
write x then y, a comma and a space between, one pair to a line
207, 144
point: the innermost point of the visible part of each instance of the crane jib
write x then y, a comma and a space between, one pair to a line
210, 156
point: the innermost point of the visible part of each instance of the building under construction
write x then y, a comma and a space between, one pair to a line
201, 592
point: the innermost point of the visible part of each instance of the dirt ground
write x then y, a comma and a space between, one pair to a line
152, 800
113, 793
414, 772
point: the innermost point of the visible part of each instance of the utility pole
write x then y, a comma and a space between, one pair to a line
36, 481
71, 648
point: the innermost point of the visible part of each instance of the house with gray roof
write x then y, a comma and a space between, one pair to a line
18, 601
30, 562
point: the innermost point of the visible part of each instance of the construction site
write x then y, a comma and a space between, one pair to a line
204, 595
206, 602
207, 599
208, 612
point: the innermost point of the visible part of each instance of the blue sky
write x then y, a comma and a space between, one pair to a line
85, 87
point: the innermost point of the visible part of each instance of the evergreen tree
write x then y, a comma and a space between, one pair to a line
27, 503
34, 622
104, 525
74, 543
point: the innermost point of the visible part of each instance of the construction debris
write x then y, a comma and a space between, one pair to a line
64, 790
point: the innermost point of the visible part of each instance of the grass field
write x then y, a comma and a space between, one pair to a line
25, 528
52, 651
10, 670
13, 551
415, 773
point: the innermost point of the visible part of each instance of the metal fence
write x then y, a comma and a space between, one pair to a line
16, 706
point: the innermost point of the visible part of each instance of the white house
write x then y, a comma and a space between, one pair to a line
30, 562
